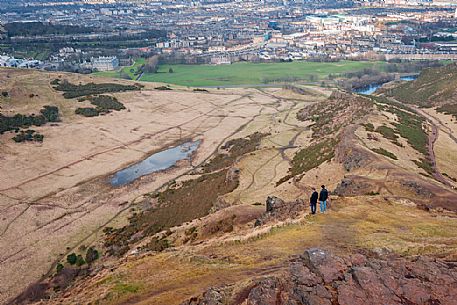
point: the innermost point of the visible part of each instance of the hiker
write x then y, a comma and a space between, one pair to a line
323, 195
313, 200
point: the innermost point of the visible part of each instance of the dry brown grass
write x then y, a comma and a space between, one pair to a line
368, 223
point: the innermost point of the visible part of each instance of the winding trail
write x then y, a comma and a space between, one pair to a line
297, 131
432, 137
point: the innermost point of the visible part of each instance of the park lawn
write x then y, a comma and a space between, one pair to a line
129, 70
252, 73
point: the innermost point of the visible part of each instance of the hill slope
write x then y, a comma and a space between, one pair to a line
434, 87
206, 236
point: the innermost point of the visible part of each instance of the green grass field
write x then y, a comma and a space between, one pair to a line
247, 73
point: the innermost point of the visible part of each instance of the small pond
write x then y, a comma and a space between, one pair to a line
156, 162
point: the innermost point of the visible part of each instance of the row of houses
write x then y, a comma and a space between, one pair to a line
7, 61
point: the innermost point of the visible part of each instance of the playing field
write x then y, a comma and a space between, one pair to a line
244, 73
252, 73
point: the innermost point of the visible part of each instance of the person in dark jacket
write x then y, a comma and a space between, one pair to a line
313, 201
323, 196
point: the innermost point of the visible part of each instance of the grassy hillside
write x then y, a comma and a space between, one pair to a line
434, 86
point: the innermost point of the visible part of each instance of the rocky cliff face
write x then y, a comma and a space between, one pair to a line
320, 278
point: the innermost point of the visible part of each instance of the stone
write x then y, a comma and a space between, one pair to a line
233, 174
321, 262
301, 275
273, 203
257, 223
265, 292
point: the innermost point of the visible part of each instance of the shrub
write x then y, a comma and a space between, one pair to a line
51, 113
28, 135
387, 132
71, 91
384, 152
105, 103
410, 128
313, 156
72, 258
87, 112
59, 267
425, 165
164, 88
80, 260
14, 123
91, 255
157, 245
450, 109
37, 137
369, 127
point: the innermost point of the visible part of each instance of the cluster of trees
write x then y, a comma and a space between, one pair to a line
18, 121
51, 113
103, 103
368, 76
28, 29
398, 66
10, 123
152, 64
72, 91
78, 260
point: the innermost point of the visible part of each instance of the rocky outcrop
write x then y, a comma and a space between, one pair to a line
320, 278
338, 94
350, 154
233, 175
355, 186
418, 189
278, 209
274, 204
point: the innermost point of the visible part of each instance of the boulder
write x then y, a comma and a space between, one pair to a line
273, 203
233, 175
327, 266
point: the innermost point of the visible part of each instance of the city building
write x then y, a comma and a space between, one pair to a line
103, 63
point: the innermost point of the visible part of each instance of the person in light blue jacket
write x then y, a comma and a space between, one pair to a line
323, 196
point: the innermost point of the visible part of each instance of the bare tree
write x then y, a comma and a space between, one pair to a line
152, 64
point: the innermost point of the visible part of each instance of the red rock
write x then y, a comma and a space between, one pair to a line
320, 278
